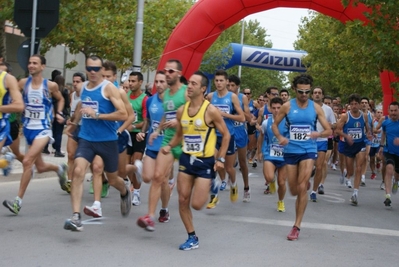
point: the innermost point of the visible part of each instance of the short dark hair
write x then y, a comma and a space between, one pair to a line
42, 58
110, 65
138, 74
276, 100
222, 73
354, 97
54, 74
319, 87
328, 97
302, 79
235, 79
365, 98
204, 78
269, 89
178, 63
95, 58
183, 80
394, 103
284, 91
79, 74
7, 65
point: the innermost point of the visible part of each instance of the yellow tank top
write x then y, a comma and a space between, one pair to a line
3, 90
198, 138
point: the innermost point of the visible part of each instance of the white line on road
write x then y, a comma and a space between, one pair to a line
321, 226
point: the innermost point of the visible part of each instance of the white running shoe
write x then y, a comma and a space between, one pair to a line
348, 183
136, 199
93, 211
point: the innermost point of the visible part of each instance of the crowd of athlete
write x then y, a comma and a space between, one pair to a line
208, 133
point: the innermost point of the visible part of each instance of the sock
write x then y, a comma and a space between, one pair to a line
363, 176
165, 209
97, 204
388, 196
136, 191
246, 188
214, 187
19, 200
234, 184
172, 181
313, 192
191, 234
355, 191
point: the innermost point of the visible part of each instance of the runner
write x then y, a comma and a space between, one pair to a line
273, 153
300, 149
37, 94
353, 127
198, 120
230, 108
100, 107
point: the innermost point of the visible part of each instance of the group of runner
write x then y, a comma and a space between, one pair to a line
207, 132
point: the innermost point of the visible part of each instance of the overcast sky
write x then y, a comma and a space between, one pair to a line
281, 24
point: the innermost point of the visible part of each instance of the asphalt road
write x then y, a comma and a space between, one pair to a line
333, 232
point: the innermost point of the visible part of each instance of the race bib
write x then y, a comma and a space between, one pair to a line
276, 151
155, 126
376, 140
300, 132
89, 104
238, 124
223, 108
35, 111
170, 115
355, 133
193, 143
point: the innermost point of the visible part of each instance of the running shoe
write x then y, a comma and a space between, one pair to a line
164, 216
333, 167
313, 197
348, 183
62, 176
136, 199
354, 200
234, 193
139, 171
9, 157
68, 186
74, 224
223, 186
126, 201
363, 182
294, 234
378, 166
267, 190
146, 223
387, 202
247, 196
272, 187
255, 163
394, 187
373, 176
191, 243
93, 211
342, 179
105, 189
13, 206
320, 189
213, 203
280, 206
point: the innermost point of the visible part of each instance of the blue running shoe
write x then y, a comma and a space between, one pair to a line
9, 157
191, 243
313, 197
223, 186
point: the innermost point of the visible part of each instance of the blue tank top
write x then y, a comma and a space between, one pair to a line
38, 113
300, 123
224, 104
251, 106
391, 129
271, 150
266, 112
154, 117
355, 127
240, 126
375, 142
97, 130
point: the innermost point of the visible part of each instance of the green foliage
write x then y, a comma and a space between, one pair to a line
256, 79
340, 59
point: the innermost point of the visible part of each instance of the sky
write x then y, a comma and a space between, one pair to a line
281, 24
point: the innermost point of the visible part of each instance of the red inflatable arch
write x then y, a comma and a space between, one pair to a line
207, 19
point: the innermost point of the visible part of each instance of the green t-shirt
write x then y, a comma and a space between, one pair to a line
138, 104
12, 117
171, 104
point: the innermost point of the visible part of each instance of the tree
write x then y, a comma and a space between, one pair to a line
5, 14
338, 58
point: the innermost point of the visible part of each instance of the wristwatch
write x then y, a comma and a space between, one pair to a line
222, 160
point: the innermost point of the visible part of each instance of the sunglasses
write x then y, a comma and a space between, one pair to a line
170, 71
95, 69
274, 94
261, 100
247, 93
302, 92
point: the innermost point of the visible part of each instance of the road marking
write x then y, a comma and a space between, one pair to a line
93, 221
320, 226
